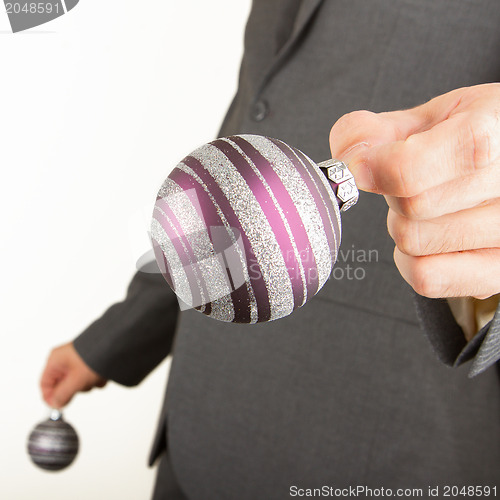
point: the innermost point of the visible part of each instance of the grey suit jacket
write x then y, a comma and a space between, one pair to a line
347, 390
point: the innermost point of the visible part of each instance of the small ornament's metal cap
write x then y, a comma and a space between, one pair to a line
342, 182
55, 414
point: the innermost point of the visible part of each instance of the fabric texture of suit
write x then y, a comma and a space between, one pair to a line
347, 390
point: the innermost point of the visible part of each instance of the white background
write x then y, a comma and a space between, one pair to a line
96, 107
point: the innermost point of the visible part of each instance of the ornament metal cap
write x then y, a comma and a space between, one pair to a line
55, 414
342, 182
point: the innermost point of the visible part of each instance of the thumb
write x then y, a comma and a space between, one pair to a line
373, 129
362, 129
355, 134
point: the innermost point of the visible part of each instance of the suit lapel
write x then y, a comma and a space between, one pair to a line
306, 11
489, 352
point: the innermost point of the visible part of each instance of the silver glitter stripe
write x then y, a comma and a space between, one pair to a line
303, 200
297, 256
46, 459
68, 439
180, 280
40, 446
210, 265
332, 201
192, 263
56, 431
254, 314
44, 451
256, 226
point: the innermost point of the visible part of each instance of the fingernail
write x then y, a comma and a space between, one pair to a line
356, 161
363, 176
353, 150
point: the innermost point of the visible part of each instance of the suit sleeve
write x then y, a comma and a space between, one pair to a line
133, 336
448, 339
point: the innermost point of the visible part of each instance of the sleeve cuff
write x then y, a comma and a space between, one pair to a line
133, 336
448, 340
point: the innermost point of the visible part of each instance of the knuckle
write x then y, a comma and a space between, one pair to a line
399, 170
426, 280
478, 143
489, 91
54, 354
350, 122
405, 234
473, 93
416, 207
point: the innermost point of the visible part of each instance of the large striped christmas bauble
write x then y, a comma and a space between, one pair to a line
246, 229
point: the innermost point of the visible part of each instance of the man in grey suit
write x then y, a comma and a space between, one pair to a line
348, 390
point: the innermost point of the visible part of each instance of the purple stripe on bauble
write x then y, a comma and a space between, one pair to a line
310, 176
186, 256
330, 201
240, 297
295, 222
256, 281
271, 213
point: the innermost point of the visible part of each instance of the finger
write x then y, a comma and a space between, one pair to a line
462, 274
65, 390
49, 380
465, 230
455, 196
48, 394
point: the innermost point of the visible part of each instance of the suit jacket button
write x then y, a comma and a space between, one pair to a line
260, 110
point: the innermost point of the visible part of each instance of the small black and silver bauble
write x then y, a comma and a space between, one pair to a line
53, 443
